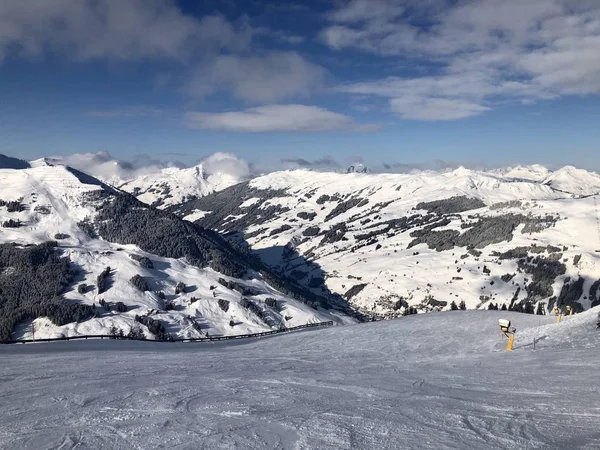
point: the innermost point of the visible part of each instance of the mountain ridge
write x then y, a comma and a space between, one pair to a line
193, 282
383, 243
380, 230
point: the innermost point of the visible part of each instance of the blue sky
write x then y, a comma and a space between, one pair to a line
316, 83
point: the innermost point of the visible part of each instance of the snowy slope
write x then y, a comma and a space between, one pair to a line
173, 185
575, 181
432, 381
54, 199
535, 172
360, 231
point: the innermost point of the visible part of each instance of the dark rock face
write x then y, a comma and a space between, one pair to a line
451, 205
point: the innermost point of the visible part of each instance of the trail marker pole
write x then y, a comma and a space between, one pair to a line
33, 331
509, 344
558, 314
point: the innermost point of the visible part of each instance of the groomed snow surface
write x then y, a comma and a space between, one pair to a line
429, 381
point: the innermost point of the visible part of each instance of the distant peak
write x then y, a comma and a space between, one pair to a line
8, 162
461, 171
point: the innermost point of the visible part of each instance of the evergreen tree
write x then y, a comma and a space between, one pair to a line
490, 306
462, 305
540, 309
453, 306
223, 304
139, 282
503, 307
101, 280
136, 332
180, 288
529, 308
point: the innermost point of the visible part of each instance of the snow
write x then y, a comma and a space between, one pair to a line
65, 196
577, 181
394, 271
430, 381
173, 186
52, 187
198, 214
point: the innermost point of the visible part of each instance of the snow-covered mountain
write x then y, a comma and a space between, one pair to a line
384, 244
150, 181
173, 186
180, 279
523, 236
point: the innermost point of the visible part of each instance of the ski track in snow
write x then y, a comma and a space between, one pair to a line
435, 381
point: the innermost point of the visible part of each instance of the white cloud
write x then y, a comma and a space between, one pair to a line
227, 163
111, 29
214, 53
367, 10
276, 118
430, 108
268, 78
107, 168
486, 51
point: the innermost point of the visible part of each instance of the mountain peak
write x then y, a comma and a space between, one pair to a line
8, 162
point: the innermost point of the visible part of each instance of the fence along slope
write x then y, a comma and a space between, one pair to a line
205, 339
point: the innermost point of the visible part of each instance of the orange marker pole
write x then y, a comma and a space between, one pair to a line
511, 340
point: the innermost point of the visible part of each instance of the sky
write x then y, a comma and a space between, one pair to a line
315, 83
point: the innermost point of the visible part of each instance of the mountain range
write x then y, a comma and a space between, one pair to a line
185, 253
81, 257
